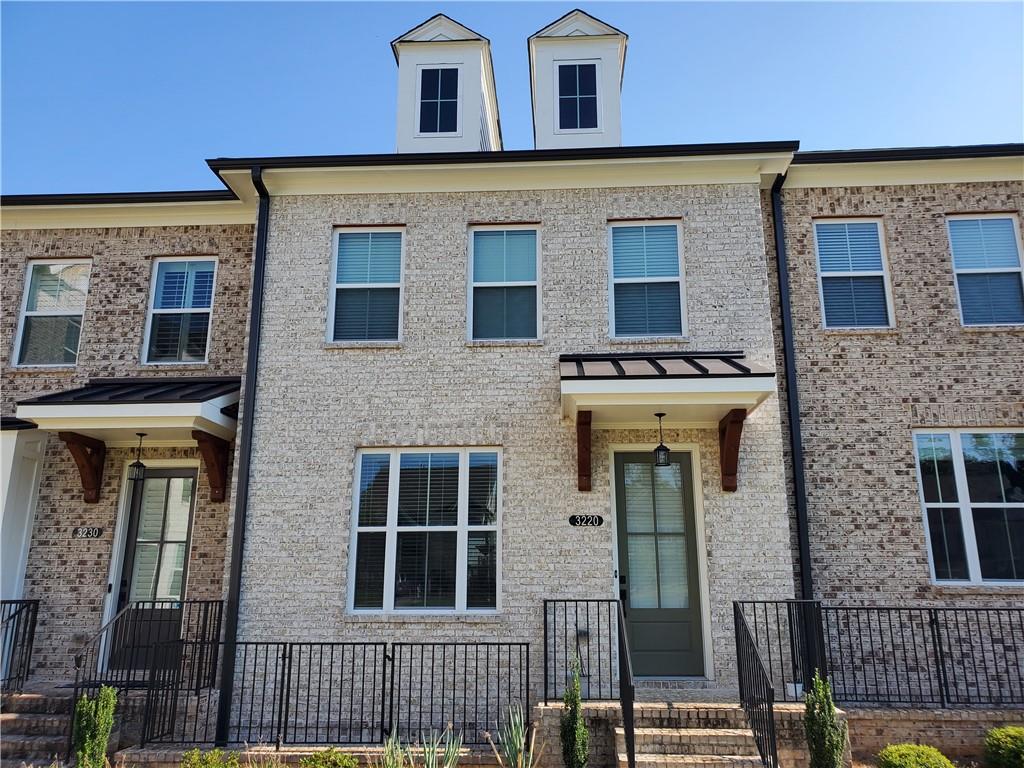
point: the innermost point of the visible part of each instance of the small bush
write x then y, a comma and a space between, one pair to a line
575, 739
215, 758
826, 735
329, 758
94, 720
912, 756
1004, 747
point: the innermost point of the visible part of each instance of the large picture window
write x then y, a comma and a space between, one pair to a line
972, 491
987, 263
178, 330
503, 300
366, 298
51, 319
646, 281
426, 525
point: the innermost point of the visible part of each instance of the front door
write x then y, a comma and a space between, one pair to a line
658, 576
155, 566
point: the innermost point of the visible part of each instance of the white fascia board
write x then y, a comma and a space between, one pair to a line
952, 171
120, 411
705, 389
127, 215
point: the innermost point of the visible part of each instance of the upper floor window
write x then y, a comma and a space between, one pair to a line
646, 281
439, 100
972, 491
365, 303
986, 261
178, 329
503, 297
851, 271
577, 96
425, 526
52, 310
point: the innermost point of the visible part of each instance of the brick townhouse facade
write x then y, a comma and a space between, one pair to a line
459, 398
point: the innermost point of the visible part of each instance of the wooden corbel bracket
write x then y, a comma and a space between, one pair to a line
89, 454
215, 452
583, 472
730, 428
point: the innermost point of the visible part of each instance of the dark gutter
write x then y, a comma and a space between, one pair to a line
509, 156
244, 460
792, 394
908, 153
10, 423
115, 198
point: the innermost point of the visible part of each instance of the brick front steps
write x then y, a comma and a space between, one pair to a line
35, 728
684, 735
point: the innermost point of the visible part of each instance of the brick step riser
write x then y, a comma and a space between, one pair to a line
730, 721
700, 746
19, 747
701, 761
40, 725
32, 704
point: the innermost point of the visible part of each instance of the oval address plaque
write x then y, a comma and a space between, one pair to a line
585, 521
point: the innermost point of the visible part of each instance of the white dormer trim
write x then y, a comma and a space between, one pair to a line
576, 23
438, 28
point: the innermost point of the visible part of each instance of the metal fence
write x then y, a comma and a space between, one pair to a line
893, 656
584, 629
17, 636
756, 692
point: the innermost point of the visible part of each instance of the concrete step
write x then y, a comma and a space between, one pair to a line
688, 715
689, 741
33, 763
36, 703
16, 746
31, 724
693, 761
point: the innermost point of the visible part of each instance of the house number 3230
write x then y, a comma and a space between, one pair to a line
586, 521
86, 532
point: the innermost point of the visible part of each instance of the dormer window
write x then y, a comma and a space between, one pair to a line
577, 96
439, 100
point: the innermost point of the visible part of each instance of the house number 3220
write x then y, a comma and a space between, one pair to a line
86, 532
586, 521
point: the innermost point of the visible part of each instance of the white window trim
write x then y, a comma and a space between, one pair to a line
471, 284
332, 291
985, 270
419, 101
391, 530
681, 279
883, 272
557, 95
151, 310
16, 356
963, 504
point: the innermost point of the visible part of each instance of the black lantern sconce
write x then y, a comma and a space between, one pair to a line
137, 470
661, 452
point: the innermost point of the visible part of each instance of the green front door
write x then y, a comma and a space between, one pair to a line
658, 576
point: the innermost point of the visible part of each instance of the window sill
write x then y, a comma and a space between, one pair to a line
42, 368
1011, 327
172, 365
859, 331
410, 617
505, 343
979, 586
362, 345
649, 340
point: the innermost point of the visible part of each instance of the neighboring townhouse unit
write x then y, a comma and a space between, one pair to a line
504, 414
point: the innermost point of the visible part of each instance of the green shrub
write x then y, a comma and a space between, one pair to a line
94, 720
826, 735
575, 738
215, 758
912, 756
329, 758
1004, 747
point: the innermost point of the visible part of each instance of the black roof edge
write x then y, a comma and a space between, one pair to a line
115, 198
893, 154
505, 156
11, 423
598, 356
157, 379
570, 13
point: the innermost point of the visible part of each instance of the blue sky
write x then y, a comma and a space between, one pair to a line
135, 96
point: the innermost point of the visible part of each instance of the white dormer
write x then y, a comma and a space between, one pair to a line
576, 67
446, 96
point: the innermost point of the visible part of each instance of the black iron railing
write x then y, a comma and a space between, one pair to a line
17, 636
588, 630
342, 693
757, 695
626, 692
893, 656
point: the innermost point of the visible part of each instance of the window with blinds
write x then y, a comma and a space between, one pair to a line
503, 296
178, 329
851, 271
646, 281
426, 530
51, 318
987, 264
367, 294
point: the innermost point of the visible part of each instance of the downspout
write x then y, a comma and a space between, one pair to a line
244, 456
792, 394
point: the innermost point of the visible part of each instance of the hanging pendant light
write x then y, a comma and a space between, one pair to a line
137, 470
661, 452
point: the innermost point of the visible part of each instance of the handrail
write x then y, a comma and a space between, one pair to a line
17, 630
626, 690
757, 693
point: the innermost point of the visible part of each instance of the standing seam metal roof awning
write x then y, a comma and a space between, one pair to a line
167, 409
693, 388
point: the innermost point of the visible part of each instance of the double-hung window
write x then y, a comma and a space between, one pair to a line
439, 100
851, 271
646, 280
178, 327
577, 96
426, 525
366, 297
51, 318
987, 262
972, 491
503, 296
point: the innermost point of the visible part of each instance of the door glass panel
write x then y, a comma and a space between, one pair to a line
151, 513
639, 498
172, 566
675, 587
643, 572
668, 498
144, 571
179, 502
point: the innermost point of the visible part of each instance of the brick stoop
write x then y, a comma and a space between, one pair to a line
685, 735
35, 728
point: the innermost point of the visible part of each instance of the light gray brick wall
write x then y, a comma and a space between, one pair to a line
317, 405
